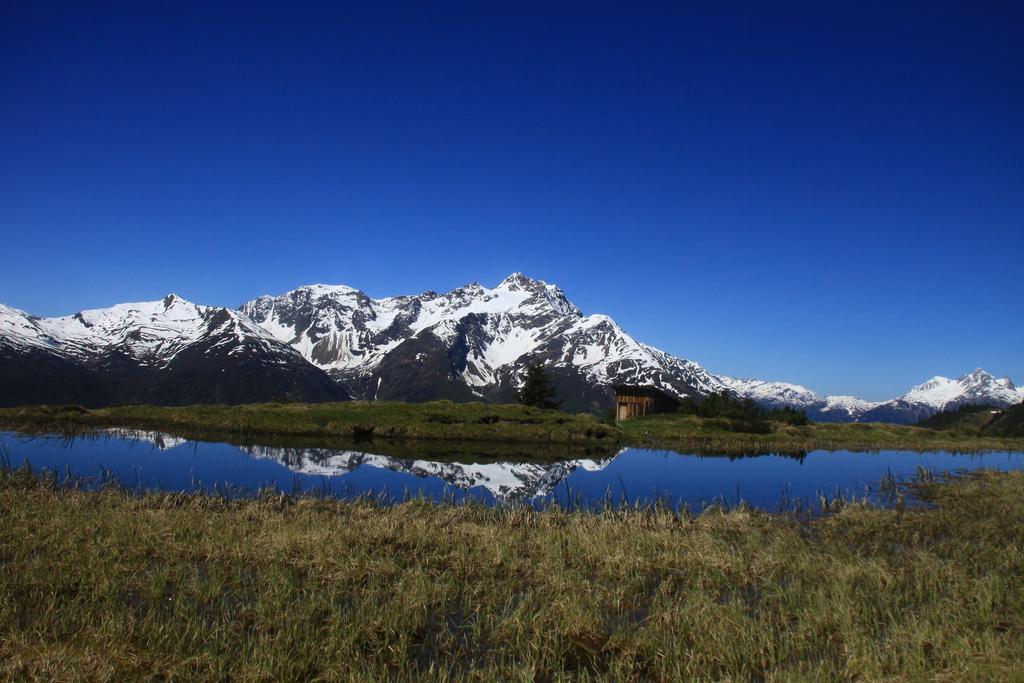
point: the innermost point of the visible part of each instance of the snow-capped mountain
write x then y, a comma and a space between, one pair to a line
842, 408
770, 394
474, 343
150, 332
922, 401
169, 351
471, 343
780, 394
941, 393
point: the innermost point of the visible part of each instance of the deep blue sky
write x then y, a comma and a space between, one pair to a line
826, 193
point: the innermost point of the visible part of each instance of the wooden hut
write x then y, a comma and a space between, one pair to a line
632, 401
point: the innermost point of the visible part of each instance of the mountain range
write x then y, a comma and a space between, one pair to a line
166, 352
331, 342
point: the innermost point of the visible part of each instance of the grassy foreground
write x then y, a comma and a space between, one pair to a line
113, 586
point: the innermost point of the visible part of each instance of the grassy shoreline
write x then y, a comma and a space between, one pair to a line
474, 426
701, 434
362, 420
110, 585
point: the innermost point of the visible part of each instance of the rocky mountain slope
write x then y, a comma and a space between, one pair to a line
471, 343
474, 343
165, 352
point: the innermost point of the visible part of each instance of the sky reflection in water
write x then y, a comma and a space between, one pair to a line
155, 461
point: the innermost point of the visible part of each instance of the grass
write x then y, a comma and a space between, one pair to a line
967, 418
981, 421
697, 434
114, 586
435, 420
506, 430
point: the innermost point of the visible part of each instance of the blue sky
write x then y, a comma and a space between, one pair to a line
824, 193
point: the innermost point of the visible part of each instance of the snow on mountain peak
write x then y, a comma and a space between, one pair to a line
340, 328
519, 279
974, 387
779, 394
1005, 381
488, 334
326, 290
850, 404
977, 377
153, 331
23, 330
769, 392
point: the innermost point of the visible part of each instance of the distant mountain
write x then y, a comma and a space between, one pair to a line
167, 352
781, 394
472, 343
941, 393
922, 401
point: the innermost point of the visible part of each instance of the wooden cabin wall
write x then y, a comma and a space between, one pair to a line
633, 406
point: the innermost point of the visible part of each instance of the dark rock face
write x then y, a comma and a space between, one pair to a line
33, 377
419, 369
201, 375
898, 412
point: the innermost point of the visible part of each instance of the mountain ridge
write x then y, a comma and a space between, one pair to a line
477, 338
482, 338
334, 341
165, 352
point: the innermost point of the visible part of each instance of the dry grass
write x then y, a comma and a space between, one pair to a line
112, 586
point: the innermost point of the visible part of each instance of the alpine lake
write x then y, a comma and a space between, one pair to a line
494, 475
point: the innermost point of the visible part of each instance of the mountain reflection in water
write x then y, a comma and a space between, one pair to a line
504, 480
144, 459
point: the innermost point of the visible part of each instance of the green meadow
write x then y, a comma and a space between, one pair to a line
497, 426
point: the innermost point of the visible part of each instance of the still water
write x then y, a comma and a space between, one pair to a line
155, 461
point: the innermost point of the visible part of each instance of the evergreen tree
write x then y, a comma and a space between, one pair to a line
537, 389
745, 413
